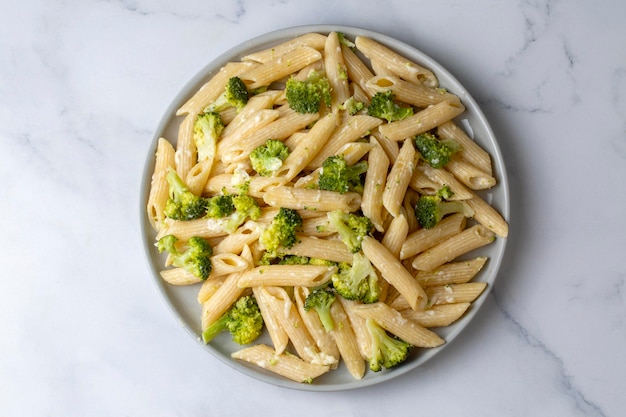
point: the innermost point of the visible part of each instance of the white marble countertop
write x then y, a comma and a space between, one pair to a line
83, 85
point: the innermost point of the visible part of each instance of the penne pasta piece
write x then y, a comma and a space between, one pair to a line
227, 263
209, 287
185, 154
472, 151
353, 128
236, 242
286, 276
374, 185
397, 63
306, 150
287, 315
213, 88
347, 342
323, 339
455, 293
223, 298
399, 178
358, 71
232, 183
394, 322
443, 177
310, 199
472, 177
312, 40
284, 364
331, 250
179, 276
184, 229
336, 71
423, 239
159, 188
394, 272
278, 335
451, 273
438, 315
363, 339
418, 95
422, 121
280, 66
395, 235
488, 216
453, 247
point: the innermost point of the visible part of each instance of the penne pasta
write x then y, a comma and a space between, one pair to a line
394, 322
286, 276
159, 188
395, 62
453, 247
284, 364
422, 121
394, 272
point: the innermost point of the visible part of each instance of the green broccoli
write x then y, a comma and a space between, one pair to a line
182, 203
352, 106
383, 106
268, 158
235, 95
387, 351
337, 175
307, 96
434, 151
358, 281
282, 230
220, 206
351, 228
243, 320
430, 209
445, 192
320, 300
245, 207
194, 256
343, 40
206, 132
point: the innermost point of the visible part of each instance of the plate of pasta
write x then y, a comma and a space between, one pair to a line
324, 207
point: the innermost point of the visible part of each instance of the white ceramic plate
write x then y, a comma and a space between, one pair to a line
183, 300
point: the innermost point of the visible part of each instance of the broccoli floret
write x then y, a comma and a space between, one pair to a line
235, 95
268, 158
352, 106
206, 132
307, 96
445, 192
351, 228
321, 299
194, 256
387, 351
430, 209
220, 206
383, 106
434, 151
358, 281
243, 320
345, 41
245, 207
282, 230
337, 175
182, 203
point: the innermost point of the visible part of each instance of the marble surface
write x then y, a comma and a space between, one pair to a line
83, 85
